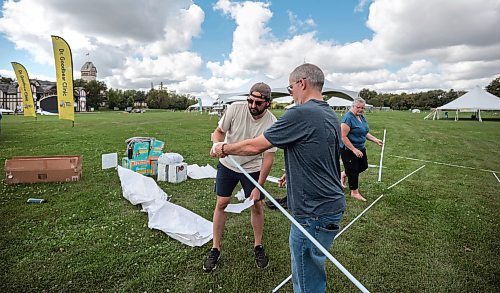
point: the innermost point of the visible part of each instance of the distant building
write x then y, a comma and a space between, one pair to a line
10, 95
88, 71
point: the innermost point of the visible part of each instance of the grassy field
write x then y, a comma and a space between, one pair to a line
437, 231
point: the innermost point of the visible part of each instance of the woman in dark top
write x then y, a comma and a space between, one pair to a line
355, 131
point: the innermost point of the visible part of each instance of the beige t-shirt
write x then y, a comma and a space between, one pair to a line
238, 124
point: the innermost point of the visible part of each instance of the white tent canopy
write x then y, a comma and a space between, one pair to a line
241, 92
278, 89
204, 103
284, 100
339, 102
476, 100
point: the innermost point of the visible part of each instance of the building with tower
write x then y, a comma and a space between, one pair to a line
88, 71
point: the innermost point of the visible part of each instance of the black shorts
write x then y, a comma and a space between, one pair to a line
227, 179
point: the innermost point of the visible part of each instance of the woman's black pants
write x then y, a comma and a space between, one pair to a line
353, 166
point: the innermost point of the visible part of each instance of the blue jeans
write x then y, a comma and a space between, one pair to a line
308, 262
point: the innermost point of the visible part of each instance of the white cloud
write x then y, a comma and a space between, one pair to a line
416, 44
361, 5
416, 26
278, 58
431, 44
297, 25
121, 36
7, 73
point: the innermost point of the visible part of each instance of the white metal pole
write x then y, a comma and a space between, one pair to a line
444, 164
282, 284
314, 241
496, 176
381, 158
405, 177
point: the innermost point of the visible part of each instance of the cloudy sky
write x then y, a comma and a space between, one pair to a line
215, 46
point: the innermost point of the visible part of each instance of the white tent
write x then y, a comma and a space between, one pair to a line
476, 100
284, 100
278, 89
339, 102
206, 103
328, 90
240, 93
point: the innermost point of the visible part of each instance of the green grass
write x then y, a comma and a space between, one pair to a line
437, 231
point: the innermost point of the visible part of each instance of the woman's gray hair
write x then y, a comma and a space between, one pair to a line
312, 73
358, 100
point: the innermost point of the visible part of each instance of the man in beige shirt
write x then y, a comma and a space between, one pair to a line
242, 121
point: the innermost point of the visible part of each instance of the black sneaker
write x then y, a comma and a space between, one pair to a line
261, 258
281, 201
210, 263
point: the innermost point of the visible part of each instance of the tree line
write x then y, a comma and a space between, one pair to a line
98, 95
421, 100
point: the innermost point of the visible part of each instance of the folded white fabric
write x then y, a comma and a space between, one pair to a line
176, 221
170, 159
239, 207
240, 195
196, 172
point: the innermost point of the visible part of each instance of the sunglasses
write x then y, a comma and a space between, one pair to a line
289, 88
257, 103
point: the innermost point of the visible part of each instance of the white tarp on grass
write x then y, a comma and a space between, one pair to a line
196, 172
176, 221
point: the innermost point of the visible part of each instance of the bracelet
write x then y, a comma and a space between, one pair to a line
222, 149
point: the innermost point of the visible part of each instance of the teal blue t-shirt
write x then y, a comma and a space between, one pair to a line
358, 132
310, 134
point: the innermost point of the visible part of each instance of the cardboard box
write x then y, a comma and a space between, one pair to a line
43, 169
175, 173
140, 151
156, 149
139, 166
154, 167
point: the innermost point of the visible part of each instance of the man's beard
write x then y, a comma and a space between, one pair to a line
256, 111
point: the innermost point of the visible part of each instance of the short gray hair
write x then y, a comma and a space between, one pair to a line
310, 72
358, 100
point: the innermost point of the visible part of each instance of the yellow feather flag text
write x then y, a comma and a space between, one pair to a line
64, 75
25, 89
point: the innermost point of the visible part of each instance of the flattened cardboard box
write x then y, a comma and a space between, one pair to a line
43, 169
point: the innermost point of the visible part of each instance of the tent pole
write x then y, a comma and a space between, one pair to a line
456, 115
479, 115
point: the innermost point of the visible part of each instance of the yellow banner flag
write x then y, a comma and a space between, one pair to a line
64, 74
25, 89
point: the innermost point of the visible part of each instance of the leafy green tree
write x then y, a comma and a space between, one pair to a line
152, 99
367, 94
79, 83
140, 96
96, 92
494, 87
165, 99
114, 97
